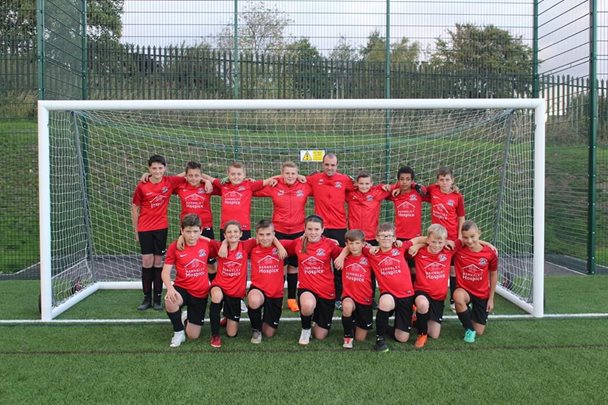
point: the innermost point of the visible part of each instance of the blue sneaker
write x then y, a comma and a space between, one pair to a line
469, 336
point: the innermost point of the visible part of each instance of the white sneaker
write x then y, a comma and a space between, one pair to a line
348, 343
178, 338
453, 307
243, 307
256, 337
305, 337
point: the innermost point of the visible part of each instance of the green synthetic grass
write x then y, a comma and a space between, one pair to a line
515, 362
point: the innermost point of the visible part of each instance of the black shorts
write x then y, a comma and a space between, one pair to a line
363, 315
232, 308
208, 233
324, 310
435, 307
246, 235
291, 260
153, 242
196, 306
273, 307
478, 306
337, 234
403, 312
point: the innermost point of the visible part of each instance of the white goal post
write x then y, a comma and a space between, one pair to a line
51, 307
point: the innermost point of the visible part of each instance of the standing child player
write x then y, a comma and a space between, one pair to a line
196, 199
266, 290
236, 198
316, 290
357, 289
395, 285
431, 285
447, 209
476, 265
150, 223
364, 205
289, 198
191, 285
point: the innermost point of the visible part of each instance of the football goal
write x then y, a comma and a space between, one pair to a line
92, 153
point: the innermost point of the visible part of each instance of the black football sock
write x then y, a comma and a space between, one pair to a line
422, 322
255, 317
306, 321
214, 318
466, 319
146, 281
292, 284
452, 288
347, 323
176, 320
381, 323
158, 284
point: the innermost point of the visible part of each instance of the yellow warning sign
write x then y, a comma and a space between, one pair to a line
312, 155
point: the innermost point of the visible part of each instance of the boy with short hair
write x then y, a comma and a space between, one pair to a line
149, 218
408, 205
191, 285
447, 209
266, 290
395, 284
431, 286
357, 290
476, 265
364, 205
236, 198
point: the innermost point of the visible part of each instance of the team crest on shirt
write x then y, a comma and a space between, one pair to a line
164, 189
241, 188
299, 193
369, 197
443, 257
451, 203
202, 253
413, 197
275, 251
338, 184
238, 256
395, 252
200, 190
483, 261
364, 261
320, 252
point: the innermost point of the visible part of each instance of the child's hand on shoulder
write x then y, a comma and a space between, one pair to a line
397, 243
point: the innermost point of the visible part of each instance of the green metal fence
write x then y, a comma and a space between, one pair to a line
316, 49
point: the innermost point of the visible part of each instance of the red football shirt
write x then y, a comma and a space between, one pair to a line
195, 200
267, 271
232, 270
392, 271
314, 266
289, 205
330, 197
433, 272
473, 269
191, 267
357, 279
364, 209
408, 215
153, 202
236, 201
445, 209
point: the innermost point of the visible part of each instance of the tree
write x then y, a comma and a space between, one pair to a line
402, 51
261, 30
490, 61
343, 52
309, 76
17, 26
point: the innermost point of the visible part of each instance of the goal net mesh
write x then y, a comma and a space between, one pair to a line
98, 156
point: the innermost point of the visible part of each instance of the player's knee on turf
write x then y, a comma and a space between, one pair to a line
434, 329
232, 328
479, 328
422, 304
319, 333
401, 335
348, 306
386, 303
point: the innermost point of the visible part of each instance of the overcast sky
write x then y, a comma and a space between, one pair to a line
564, 39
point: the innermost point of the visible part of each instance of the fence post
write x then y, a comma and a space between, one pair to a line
592, 197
